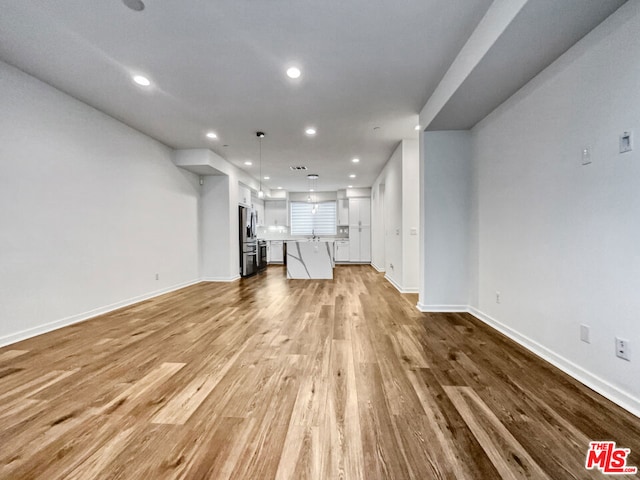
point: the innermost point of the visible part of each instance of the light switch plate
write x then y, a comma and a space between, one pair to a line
584, 333
586, 155
626, 142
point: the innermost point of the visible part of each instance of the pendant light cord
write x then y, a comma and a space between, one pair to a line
260, 149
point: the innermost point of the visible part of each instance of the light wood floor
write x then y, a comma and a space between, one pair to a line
268, 378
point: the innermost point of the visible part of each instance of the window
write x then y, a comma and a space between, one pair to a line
305, 222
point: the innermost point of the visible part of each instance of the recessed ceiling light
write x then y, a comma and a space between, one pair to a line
267, 178
279, 188
311, 190
355, 160
349, 186
353, 175
212, 135
293, 72
310, 131
141, 80
248, 163
417, 127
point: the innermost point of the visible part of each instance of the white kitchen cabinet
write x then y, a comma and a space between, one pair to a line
343, 211
360, 230
360, 212
365, 244
341, 253
360, 244
276, 253
276, 213
244, 195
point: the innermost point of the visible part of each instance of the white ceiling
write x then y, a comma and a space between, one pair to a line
220, 65
541, 32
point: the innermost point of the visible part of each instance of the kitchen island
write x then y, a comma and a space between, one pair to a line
310, 259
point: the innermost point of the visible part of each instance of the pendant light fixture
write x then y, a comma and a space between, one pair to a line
312, 180
260, 136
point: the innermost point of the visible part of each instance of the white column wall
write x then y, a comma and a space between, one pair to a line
447, 202
217, 247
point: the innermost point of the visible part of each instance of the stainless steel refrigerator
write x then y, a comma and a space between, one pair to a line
248, 241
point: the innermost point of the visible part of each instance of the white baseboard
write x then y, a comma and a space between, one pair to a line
604, 388
399, 287
80, 317
441, 308
380, 270
393, 282
221, 279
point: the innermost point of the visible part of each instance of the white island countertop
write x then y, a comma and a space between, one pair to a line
310, 259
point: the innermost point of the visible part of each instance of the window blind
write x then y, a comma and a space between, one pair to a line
305, 222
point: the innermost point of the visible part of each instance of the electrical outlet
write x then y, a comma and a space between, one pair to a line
622, 349
157, 276
585, 334
497, 297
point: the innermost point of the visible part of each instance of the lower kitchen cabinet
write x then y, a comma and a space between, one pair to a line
360, 244
276, 253
341, 253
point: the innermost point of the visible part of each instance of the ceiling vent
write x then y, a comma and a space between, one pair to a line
298, 168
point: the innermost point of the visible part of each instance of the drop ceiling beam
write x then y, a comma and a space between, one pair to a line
498, 17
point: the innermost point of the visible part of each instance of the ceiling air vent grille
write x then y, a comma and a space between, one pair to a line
298, 168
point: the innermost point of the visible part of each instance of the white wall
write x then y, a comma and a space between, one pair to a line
90, 211
410, 215
386, 219
395, 206
447, 177
559, 240
377, 224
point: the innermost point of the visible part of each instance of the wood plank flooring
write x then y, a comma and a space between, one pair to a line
293, 379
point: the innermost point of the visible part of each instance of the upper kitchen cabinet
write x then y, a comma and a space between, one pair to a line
276, 213
343, 211
244, 195
359, 212
258, 206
